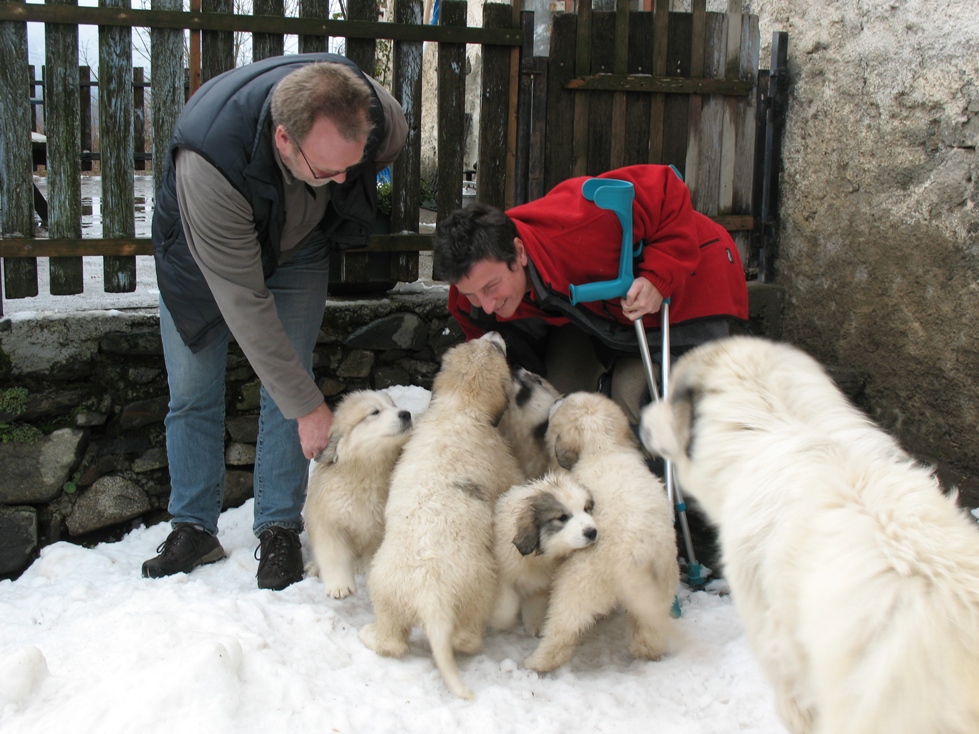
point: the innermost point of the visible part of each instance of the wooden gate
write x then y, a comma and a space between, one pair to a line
617, 88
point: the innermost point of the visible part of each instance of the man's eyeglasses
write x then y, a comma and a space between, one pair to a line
317, 177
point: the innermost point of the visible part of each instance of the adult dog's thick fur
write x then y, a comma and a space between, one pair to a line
538, 525
348, 486
856, 578
634, 562
525, 422
435, 566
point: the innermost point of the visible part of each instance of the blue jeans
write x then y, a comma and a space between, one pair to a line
195, 422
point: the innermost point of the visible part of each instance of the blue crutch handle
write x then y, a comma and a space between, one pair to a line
616, 195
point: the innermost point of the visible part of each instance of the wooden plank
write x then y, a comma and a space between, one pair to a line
510, 166
494, 115
706, 197
451, 111
362, 51
744, 158
167, 59
676, 106
317, 10
695, 101
525, 126
406, 171
217, 47
194, 71
732, 70
579, 160
600, 108
636, 144
657, 105
196, 21
267, 45
617, 156
558, 145
61, 126
23, 247
85, 113
116, 143
16, 185
139, 118
451, 114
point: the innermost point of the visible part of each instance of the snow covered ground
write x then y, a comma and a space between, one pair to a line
87, 645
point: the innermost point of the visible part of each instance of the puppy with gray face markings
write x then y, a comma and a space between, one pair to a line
525, 422
857, 580
634, 564
435, 567
537, 526
348, 487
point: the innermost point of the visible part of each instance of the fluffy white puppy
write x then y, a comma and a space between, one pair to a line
525, 421
348, 487
856, 578
435, 566
538, 525
634, 563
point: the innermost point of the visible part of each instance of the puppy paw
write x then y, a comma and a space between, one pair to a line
544, 661
340, 592
388, 647
311, 569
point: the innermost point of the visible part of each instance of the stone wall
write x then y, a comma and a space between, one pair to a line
83, 396
879, 244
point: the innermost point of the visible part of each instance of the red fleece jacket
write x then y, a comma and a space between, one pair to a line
690, 259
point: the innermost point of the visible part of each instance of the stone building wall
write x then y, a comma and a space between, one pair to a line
879, 242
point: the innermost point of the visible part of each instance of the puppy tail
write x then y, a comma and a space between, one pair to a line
439, 633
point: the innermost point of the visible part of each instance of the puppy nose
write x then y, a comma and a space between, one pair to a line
591, 533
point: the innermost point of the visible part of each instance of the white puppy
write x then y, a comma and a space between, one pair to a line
538, 525
634, 563
435, 566
348, 487
856, 579
525, 421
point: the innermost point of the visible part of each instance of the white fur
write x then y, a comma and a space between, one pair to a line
435, 566
634, 562
856, 578
538, 525
348, 487
525, 422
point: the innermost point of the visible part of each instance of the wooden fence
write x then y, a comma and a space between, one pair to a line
617, 88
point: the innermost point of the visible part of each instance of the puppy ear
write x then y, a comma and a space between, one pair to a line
566, 456
683, 403
527, 538
329, 454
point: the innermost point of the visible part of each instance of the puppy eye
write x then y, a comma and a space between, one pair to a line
376, 411
589, 507
564, 518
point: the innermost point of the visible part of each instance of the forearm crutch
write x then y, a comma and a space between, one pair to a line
617, 195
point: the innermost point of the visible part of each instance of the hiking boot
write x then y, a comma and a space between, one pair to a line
186, 548
280, 558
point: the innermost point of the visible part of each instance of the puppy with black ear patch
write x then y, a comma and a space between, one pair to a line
525, 422
538, 525
348, 487
435, 567
634, 564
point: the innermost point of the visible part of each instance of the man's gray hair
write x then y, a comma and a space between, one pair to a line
323, 89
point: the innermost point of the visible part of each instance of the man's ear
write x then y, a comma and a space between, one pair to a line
521, 252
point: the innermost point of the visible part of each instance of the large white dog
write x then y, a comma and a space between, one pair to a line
435, 566
856, 578
633, 563
348, 487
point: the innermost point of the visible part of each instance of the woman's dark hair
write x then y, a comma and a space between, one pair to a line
477, 232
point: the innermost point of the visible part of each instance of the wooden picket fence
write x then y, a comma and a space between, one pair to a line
617, 88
